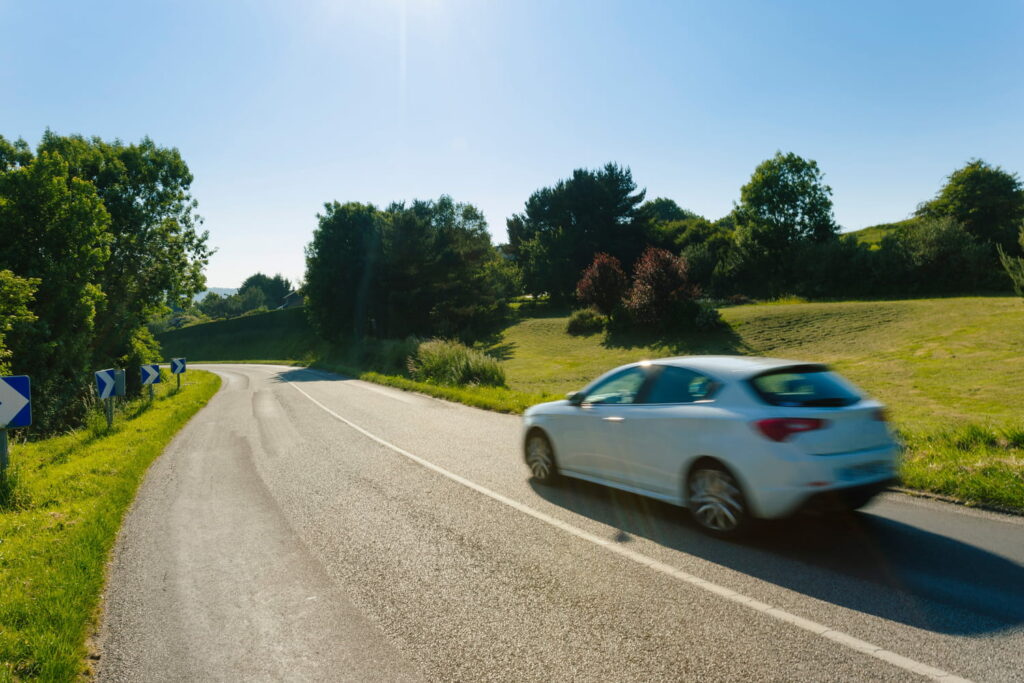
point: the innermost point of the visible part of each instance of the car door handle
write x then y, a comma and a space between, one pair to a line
614, 418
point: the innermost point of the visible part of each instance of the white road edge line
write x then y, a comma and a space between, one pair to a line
814, 627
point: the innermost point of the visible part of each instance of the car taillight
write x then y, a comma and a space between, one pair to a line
781, 428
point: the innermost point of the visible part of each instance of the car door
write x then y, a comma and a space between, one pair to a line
587, 443
660, 431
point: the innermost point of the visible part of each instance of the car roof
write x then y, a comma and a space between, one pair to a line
727, 367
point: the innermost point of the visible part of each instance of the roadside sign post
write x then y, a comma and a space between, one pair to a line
150, 374
106, 388
109, 383
119, 386
15, 411
178, 368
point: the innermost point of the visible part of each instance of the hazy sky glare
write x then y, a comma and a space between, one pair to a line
280, 106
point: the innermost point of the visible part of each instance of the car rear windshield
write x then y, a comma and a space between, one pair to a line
804, 386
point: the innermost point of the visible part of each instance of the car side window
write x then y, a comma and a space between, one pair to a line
619, 388
679, 385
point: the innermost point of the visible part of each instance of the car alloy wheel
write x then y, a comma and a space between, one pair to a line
540, 458
716, 501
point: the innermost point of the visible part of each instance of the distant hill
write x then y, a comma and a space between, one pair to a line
222, 291
874, 234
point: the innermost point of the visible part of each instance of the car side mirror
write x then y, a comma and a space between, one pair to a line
575, 397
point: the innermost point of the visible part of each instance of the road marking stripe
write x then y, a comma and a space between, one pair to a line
764, 608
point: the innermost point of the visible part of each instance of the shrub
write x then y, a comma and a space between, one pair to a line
707, 317
945, 258
662, 295
449, 362
586, 321
603, 284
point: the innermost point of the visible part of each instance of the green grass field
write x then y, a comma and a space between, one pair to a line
59, 522
932, 361
950, 371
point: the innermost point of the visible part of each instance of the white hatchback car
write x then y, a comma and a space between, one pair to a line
728, 437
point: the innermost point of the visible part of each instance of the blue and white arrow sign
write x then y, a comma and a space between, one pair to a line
150, 374
15, 402
105, 383
177, 366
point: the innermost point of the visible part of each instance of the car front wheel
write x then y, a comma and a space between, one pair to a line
716, 501
540, 457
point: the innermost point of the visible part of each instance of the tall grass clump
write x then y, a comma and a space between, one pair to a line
585, 321
449, 362
13, 495
969, 461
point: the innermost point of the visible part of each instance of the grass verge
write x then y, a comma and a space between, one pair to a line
60, 521
969, 462
498, 399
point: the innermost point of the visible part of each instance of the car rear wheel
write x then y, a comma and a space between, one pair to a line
540, 457
716, 501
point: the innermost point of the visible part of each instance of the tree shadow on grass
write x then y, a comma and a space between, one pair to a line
501, 350
723, 341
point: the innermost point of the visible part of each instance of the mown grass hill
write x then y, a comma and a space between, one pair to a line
950, 370
874, 234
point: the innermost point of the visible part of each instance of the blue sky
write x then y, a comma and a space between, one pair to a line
280, 106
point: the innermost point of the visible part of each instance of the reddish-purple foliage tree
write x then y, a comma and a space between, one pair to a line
661, 289
603, 284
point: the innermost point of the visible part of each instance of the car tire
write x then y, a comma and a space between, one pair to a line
716, 501
540, 458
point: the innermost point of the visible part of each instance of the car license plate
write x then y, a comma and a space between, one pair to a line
864, 470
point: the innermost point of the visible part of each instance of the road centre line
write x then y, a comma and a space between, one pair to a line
814, 627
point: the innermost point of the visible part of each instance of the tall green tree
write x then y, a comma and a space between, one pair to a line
663, 210
785, 203
16, 293
54, 229
985, 199
563, 226
424, 268
341, 264
157, 251
785, 200
456, 276
274, 289
440, 272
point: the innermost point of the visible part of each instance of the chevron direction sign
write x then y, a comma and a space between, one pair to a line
105, 383
15, 402
177, 365
109, 383
150, 374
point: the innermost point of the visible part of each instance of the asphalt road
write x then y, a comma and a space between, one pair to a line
308, 527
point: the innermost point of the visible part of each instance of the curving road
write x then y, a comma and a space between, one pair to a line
308, 527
